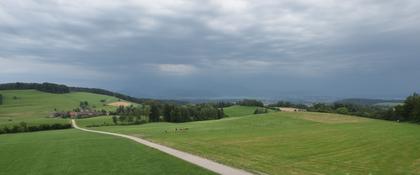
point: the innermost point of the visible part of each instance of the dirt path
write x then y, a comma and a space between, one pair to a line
202, 162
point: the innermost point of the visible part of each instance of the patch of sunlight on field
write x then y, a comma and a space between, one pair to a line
329, 118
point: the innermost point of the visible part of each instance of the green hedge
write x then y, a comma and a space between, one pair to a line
23, 127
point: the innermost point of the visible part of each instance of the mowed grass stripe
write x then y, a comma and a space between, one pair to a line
77, 152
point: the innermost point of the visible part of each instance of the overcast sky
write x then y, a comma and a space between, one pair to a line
215, 48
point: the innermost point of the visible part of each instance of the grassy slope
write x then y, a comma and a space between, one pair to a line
237, 111
95, 121
75, 152
295, 143
34, 106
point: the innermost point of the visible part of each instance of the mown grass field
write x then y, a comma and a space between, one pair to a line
101, 120
295, 143
75, 152
34, 107
237, 111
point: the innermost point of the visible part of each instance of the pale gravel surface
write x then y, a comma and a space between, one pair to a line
202, 162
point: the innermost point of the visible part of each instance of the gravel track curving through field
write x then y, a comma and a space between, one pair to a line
202, 162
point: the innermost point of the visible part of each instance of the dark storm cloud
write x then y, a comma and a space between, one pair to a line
215, 48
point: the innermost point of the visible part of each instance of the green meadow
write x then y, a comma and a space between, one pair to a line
271, 143
237, 111
34, 107
293, 143
101, 120
75, 152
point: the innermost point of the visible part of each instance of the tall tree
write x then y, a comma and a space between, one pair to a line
410, 110
154, 113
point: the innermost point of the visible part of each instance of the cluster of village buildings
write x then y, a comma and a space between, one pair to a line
80, 114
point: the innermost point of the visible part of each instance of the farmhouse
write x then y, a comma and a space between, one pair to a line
81, 114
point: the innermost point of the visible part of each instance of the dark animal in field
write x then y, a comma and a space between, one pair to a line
181, 129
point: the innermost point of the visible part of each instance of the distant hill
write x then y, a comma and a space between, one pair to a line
33, 106
62, 89
366, 101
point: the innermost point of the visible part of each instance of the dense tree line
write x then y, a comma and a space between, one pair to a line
339, 107
250, 102
408, 111
288, 105
44, 87
131, 115
1, 99
223, 104
55, 88
84, 105
168, 112
364, 101
186, 113
369, 111
24, 127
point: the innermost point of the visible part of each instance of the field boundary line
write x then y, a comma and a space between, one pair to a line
199, 161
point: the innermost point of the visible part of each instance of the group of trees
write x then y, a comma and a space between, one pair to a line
169, 112
84, 105
45, 87
369, 111
223, 104
250, 102
408, 111
24, 127
186, 113
287, 104
131, 115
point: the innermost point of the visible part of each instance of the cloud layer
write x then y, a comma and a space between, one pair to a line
215, 48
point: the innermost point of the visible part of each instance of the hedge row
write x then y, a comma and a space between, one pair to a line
23, 127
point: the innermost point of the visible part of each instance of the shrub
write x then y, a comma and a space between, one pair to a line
33, 128
342, 110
